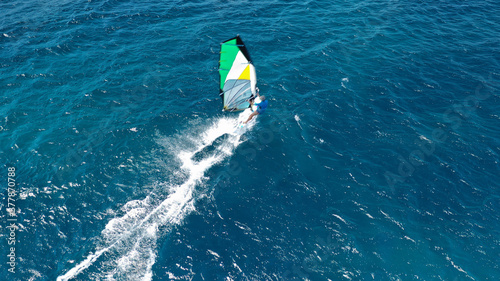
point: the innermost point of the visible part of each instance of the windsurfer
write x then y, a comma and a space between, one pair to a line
261, 106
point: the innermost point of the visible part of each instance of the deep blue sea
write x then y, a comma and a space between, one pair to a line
377, 159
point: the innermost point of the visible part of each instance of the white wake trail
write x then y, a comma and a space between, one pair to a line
131, 240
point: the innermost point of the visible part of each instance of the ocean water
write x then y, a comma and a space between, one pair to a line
377, 159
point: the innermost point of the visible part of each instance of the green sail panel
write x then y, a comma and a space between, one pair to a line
237, 75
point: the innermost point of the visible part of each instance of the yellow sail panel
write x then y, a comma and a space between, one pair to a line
246, 73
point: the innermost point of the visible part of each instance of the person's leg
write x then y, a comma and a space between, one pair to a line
251, 116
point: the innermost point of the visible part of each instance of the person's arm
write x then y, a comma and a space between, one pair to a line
252, 98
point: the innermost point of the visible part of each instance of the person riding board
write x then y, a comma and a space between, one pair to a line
261, 106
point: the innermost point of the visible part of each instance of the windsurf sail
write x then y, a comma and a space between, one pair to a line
237, 75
